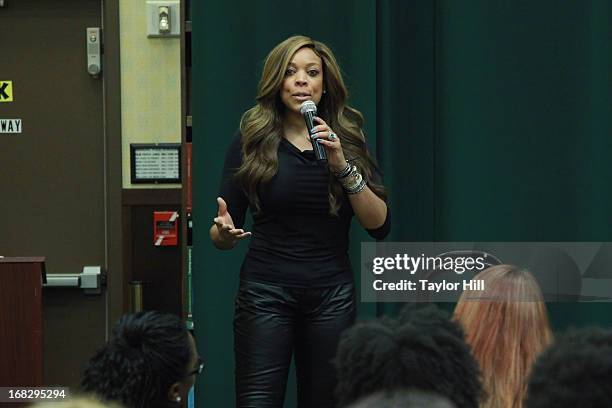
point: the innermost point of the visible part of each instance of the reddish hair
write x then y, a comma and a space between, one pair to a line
507, 327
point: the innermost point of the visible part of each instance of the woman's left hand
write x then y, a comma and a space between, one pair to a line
335, 155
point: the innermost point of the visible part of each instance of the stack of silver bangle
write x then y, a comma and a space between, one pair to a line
352, 181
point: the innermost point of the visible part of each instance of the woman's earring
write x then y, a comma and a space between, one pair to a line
178, 398
324, 91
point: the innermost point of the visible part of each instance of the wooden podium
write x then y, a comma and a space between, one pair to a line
21, 342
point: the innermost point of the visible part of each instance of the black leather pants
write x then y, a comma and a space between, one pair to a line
271, 323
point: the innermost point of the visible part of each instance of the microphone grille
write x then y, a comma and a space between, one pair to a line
308, 106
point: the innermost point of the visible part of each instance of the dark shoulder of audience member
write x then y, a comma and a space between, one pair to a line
576, 371
422, 349
403, 399
147, 353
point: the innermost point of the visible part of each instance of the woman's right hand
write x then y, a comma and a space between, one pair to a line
223, 233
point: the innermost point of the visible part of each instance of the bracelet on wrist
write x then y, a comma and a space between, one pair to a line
358, 189
353, 183
344, 172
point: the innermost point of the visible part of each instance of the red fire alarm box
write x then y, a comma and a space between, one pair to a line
165, 228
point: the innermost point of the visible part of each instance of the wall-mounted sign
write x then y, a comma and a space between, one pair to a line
155, 162
10, 125
6, 91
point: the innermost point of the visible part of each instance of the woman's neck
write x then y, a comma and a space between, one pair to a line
294, 125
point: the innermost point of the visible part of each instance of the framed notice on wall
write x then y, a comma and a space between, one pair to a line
155, 162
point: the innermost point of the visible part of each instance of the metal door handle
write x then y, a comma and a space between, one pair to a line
90, 280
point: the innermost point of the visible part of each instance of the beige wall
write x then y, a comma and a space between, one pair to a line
150, 86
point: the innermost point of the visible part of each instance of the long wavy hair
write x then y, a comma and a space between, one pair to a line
507, 327
262, 125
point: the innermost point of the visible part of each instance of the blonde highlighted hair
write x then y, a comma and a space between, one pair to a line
83, 401
262, 125
507, 327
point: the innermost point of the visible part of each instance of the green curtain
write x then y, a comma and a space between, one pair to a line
523, 117
491, 120
494, 124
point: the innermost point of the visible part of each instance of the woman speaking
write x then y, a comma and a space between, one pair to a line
296, 290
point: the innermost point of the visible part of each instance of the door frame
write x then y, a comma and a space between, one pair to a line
111, 77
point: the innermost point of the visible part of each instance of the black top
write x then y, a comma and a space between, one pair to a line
295, 240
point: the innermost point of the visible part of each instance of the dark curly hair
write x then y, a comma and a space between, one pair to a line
422, 349
147, 353
576, 371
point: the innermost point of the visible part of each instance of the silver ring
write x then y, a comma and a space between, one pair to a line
332, 136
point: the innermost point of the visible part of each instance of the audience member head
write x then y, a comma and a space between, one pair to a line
76, 402
422, 350
507, 327
403, 399
150, 361
576, 371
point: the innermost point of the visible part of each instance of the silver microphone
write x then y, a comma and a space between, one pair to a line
309, 111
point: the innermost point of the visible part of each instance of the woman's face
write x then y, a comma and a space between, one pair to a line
303, 80
185, 385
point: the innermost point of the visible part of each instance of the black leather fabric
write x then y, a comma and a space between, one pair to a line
270, 324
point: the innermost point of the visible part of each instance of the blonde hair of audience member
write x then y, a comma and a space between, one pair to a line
507, 327
403, 398
77, 402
